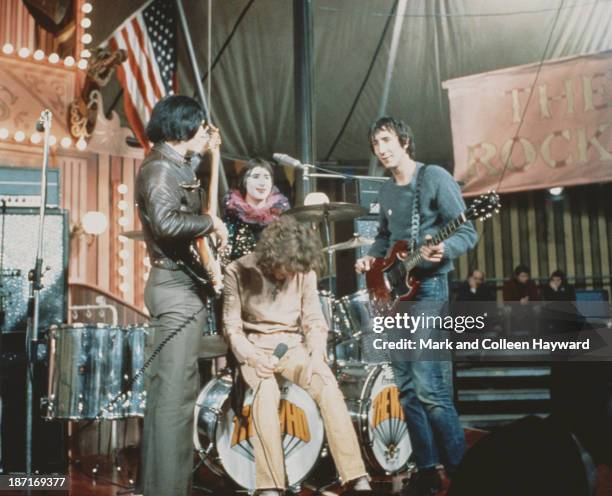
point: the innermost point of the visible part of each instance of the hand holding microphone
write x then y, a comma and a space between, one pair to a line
266, 366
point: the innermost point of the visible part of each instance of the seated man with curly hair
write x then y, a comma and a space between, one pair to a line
271, 297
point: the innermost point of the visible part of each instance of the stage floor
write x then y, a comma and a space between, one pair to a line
112, 482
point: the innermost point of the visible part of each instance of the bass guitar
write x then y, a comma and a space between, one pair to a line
206, 248
392, 279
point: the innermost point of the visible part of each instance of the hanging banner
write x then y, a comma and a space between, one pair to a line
557, 134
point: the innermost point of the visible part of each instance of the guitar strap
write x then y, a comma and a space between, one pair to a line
416, 213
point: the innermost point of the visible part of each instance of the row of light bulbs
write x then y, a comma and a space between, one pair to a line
124, 253
54, 58
36, 138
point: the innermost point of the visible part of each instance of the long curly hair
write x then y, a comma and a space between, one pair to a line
288, 247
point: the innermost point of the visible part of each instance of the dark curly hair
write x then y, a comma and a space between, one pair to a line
399, 127
289, 247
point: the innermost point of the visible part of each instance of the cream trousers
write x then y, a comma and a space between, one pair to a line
341, 436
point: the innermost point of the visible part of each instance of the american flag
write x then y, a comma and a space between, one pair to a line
149, 73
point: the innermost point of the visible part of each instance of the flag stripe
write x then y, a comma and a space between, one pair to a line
132, 69
134, 116
144, 45
140, 60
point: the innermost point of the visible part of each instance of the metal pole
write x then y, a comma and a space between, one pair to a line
198, 80
397, 31
35, 277
304, 84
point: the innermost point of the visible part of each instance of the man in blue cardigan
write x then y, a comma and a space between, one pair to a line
426, 390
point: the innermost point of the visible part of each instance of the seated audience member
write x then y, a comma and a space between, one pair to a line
521, 289
475, 289
475, 297
559, 313
557, 288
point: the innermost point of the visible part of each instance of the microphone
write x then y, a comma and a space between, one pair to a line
279, 352
284, 159
45, 116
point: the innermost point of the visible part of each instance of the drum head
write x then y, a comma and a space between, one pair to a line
389, 443
302, 431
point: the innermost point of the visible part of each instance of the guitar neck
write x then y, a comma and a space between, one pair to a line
446, 232
213, 186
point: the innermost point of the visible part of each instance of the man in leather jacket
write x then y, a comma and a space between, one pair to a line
169, 204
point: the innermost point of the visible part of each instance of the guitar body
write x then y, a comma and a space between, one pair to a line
388, 280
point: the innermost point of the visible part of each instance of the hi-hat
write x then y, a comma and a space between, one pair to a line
351, 244
334, 212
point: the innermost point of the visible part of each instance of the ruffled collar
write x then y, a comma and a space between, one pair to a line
236, 206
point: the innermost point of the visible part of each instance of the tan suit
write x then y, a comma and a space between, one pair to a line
258, 314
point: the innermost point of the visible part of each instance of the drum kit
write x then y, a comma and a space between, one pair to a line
369, 389
91, 365
94, 372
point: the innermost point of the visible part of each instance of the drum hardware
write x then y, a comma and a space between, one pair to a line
352, 244
212, 344
135, 235
74, 309
326, 213
330, 212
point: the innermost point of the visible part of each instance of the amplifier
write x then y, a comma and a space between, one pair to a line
18, 243
364, 191
20, 186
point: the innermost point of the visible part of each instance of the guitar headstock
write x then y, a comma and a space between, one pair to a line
484, 206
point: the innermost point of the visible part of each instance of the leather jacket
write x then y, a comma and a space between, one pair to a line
169, 199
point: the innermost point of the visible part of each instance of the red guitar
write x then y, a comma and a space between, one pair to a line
392, 279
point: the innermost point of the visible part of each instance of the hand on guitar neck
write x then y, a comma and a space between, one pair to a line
220, 232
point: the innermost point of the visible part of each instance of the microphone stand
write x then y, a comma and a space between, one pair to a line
35, 278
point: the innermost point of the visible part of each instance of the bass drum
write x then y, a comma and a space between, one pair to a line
373, 401
226, 448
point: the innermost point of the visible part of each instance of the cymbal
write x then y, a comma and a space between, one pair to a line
135, 235
351, 244
334, 211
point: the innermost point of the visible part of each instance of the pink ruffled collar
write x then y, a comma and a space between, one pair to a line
276, 203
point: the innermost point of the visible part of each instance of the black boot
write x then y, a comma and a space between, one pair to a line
426, 482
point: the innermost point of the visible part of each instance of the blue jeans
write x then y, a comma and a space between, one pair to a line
426, 392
